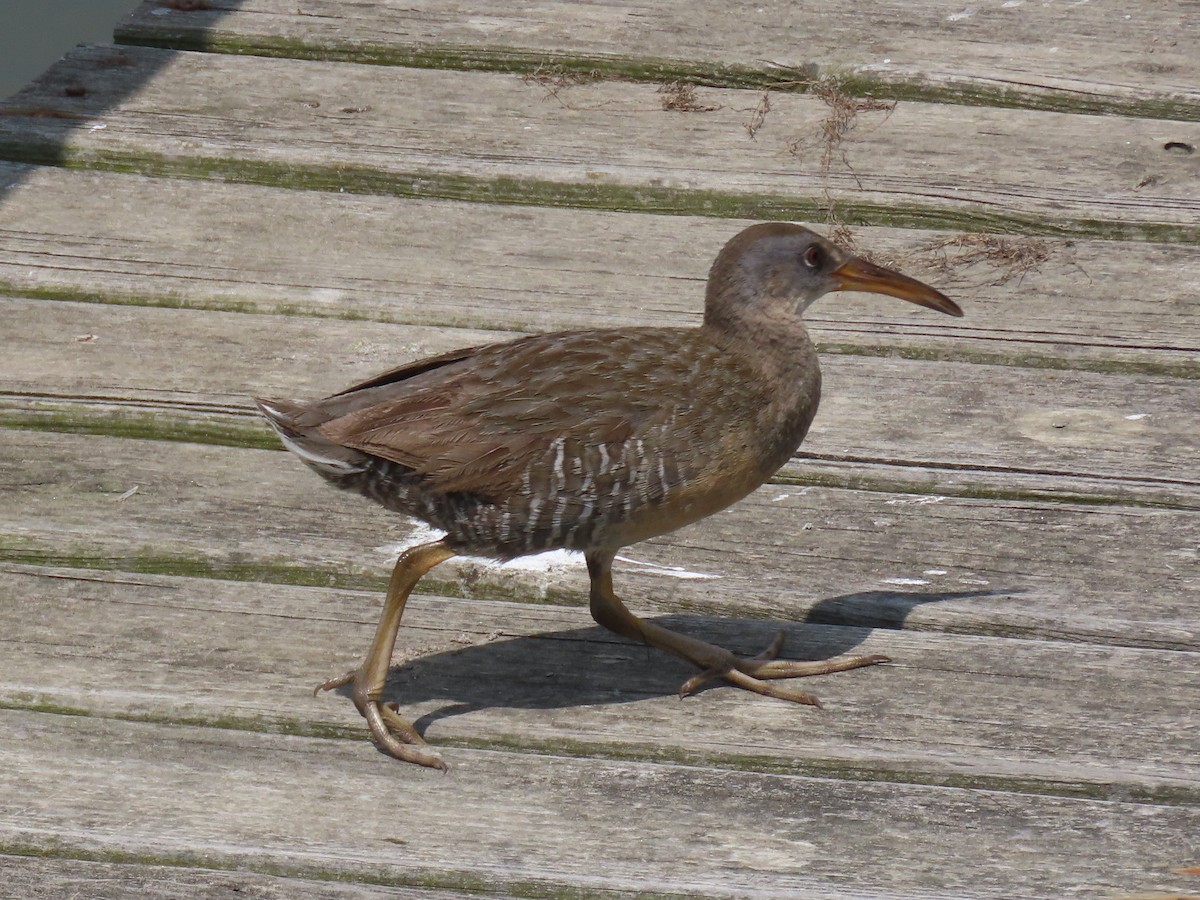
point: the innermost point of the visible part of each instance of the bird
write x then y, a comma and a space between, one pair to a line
591, 440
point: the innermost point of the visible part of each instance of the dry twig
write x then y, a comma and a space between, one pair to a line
1011, 257
841, 120
758, 115
553, 79
679, 96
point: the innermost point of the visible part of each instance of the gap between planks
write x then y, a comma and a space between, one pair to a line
1021, 54
963, 430
1042, 570
1061, 719
501, 818
119, 239
29, 870
479, 136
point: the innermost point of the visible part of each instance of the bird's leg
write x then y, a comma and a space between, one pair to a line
753, 673
391, 732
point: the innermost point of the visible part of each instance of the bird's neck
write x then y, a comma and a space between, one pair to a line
775, 345
782, 357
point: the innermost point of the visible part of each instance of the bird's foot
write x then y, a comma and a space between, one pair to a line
753, 674
393, 734
757, 672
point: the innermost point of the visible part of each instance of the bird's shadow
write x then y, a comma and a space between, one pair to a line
591, 666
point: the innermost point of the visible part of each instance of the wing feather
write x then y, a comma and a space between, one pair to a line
480, 419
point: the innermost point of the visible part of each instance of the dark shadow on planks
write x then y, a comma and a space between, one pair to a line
67, 97
886, 609
621, 671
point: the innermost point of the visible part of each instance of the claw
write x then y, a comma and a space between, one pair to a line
699, 680
333, 683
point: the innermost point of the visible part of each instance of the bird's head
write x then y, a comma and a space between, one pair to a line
778, 267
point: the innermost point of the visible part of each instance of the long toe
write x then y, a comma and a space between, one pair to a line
391, 745
740, 679
392, 733
755, 673
398, 726
794, 668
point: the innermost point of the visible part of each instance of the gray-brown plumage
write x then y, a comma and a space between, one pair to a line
592, 440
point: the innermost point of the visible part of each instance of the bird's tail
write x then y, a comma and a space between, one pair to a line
304, 438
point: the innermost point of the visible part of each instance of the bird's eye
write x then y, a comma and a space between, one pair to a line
813, 257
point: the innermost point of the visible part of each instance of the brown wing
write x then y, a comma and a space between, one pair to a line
546, 406
412, 369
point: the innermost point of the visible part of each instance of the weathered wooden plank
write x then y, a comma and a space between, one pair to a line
1095, 573
1082, 57
124, 239
496, 137
56, 875
946, 427
1040, 716
1017, 716
509, 823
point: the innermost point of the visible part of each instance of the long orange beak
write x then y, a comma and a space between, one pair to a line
859, 275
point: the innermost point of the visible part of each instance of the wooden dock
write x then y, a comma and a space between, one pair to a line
278, 197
